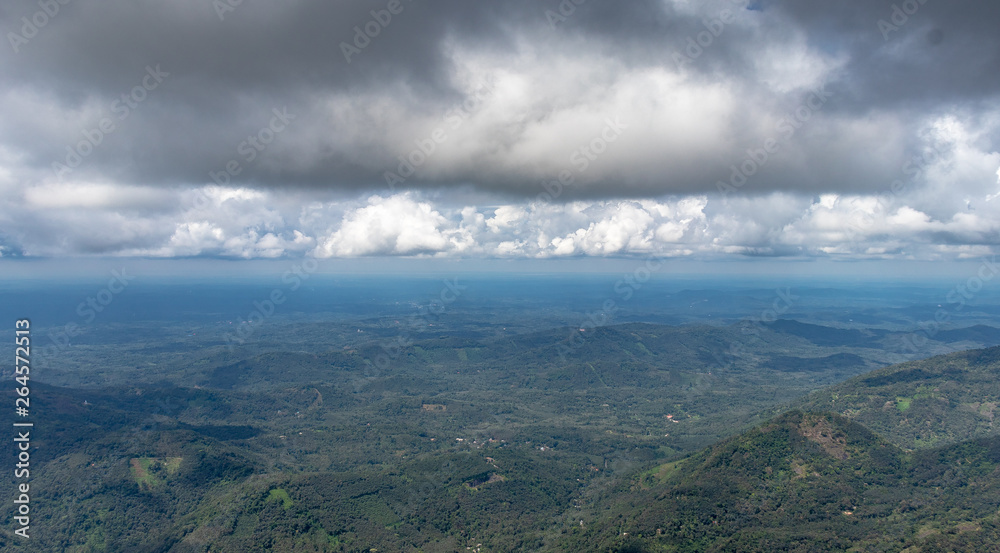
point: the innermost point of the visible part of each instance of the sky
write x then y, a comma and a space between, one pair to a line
482, 132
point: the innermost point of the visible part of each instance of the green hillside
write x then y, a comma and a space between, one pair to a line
927, 403
806, 482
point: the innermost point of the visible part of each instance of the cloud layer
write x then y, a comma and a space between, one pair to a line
542, 129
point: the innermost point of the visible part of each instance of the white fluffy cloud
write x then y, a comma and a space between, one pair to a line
397, 225
941, 205
237, 223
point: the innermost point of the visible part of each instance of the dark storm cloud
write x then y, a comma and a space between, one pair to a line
351, 121
924, 52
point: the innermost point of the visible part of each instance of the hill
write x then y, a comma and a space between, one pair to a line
920, 404
806, 482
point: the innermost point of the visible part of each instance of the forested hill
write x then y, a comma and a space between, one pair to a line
805, 482
926, 403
